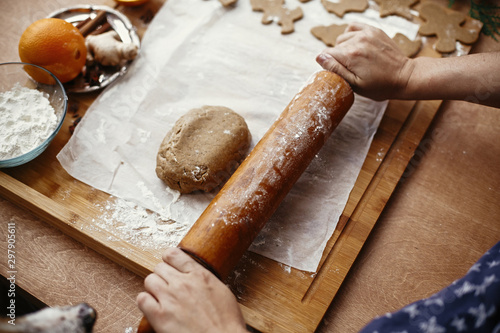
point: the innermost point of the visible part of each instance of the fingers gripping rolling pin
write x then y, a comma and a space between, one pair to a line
230, 223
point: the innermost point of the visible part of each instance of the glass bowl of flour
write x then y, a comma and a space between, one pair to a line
31, 113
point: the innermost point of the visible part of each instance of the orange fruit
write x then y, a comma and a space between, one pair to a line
55, 45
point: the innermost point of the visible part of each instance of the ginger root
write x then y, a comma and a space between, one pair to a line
108, 49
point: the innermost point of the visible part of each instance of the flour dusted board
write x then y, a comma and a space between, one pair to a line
274, 298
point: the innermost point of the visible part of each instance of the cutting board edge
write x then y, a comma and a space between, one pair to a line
70, 223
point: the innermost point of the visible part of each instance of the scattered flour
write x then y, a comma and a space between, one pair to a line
143, 135
139, 226
27, 120
286, 268
100, 133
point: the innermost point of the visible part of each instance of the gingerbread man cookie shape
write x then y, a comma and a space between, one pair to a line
345, 6
275, 9
396, 7
328, 34
446, 24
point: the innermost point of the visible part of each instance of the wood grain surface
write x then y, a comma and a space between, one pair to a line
442, 216
60, 271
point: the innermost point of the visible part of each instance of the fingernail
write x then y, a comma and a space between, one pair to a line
323, 57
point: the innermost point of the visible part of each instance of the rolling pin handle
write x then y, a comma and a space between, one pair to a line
145, 326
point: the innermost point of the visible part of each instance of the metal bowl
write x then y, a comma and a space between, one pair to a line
131, 2
104, 75
15, 74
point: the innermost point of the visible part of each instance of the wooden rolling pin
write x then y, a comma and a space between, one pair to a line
230, 223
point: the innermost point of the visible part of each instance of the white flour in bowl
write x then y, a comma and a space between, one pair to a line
26, 120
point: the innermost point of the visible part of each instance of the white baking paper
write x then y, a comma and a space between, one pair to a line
198, 53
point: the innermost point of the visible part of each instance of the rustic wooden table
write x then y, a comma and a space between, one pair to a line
441, 218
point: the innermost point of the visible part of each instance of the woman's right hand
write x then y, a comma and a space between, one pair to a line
369, 61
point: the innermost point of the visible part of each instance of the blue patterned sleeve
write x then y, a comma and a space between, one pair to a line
470, 304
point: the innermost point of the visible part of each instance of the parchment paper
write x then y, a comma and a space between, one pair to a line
198, 53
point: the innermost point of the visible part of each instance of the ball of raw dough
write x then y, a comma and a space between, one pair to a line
203, 149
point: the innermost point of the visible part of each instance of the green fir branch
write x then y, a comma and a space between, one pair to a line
488, 14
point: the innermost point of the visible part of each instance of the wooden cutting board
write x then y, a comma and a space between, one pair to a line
273, 297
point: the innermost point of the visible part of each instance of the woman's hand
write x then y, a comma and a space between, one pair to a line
369, 61
182, 296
